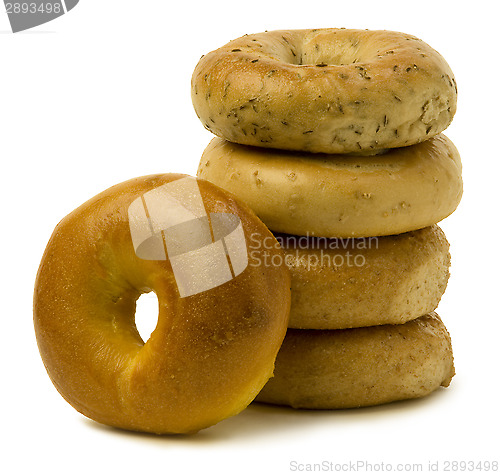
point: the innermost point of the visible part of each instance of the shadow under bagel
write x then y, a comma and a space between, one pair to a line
262, 420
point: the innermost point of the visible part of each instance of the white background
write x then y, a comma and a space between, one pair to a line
102, 95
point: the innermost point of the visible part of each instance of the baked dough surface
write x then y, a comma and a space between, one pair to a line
349, 283
325, 90
338, 195
335, 369
211, 352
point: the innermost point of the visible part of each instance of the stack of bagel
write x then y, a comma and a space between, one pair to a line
333, 137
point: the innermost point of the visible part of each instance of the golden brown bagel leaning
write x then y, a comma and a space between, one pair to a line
210, 353
325, 90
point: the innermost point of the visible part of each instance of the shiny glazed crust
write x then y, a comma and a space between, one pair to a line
354, 283
210, 353
337, 195
325, 90
335, 369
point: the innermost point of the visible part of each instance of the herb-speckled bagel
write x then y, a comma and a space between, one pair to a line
211, 352
325, 90
402, 190
335, 369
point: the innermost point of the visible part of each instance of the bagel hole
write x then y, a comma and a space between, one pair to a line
147, 308
327, 50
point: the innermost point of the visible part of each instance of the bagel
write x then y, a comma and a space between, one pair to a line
363, 282
336, 369
325, 90
340, 196
214, 346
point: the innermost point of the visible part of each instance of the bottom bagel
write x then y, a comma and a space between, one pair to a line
337, 369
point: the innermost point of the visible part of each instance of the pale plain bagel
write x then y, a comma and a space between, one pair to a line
211, 352
336, 369
337, 195
350, 283
325, 90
